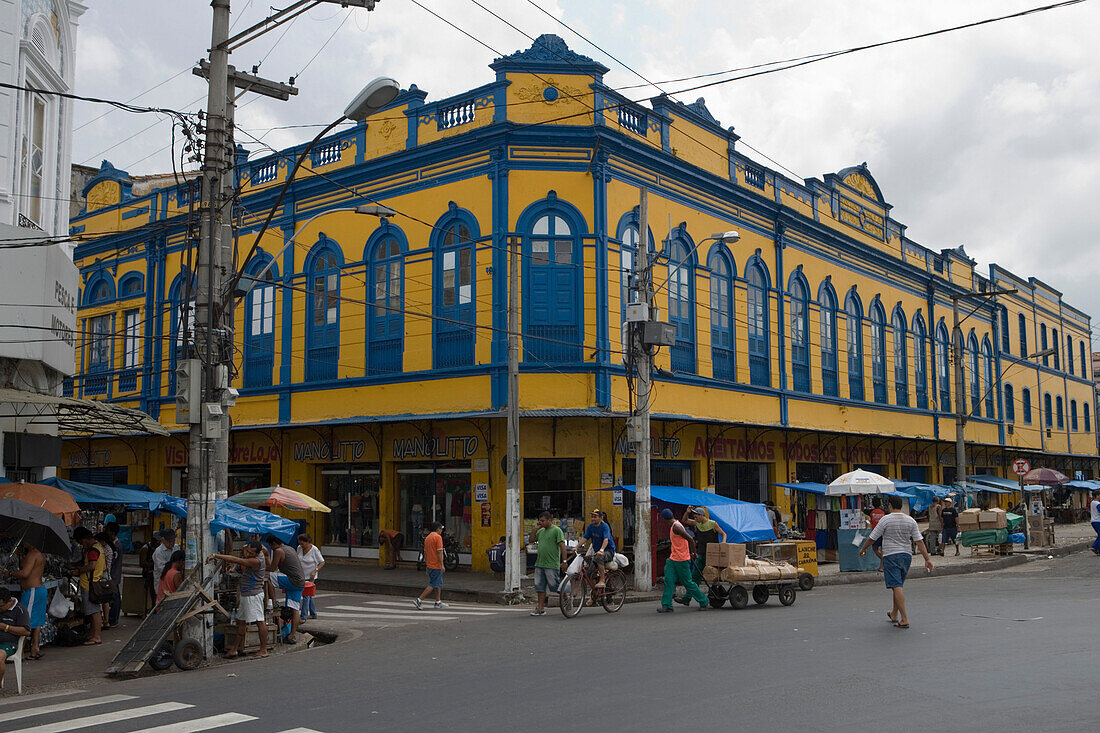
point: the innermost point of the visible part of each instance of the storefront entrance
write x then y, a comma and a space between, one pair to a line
351, 492
555, 485
436, 491
742, 481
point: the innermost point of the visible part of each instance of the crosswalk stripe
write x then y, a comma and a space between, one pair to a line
299, 730
414, 615
105, 718
62, 706
450, 606
385, 607
39, 696
209, 723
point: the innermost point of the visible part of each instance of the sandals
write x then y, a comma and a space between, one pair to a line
901, 626
92, 643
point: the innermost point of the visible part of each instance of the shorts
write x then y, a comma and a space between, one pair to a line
949, 535
602, 557
251, 609
8, 649
435, 577
34, 600
895, 568
293, 592
87, 607
546, 579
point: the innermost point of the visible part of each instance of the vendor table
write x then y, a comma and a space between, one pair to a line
848, 553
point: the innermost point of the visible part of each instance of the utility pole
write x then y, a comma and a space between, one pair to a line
513, 563
643, 575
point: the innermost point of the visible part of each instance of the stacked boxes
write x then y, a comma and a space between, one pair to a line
969, 520
725, 555
993, 519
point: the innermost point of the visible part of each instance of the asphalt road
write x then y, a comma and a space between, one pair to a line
1015, 650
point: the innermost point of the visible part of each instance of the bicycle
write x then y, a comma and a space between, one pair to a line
577, 587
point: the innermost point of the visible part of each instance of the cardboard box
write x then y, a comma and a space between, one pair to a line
769, 572
711, 574
725, 555
969, 519
993, 519
737, 575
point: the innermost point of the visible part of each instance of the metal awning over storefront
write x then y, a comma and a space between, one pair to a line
990, 480
971, 486
74, 416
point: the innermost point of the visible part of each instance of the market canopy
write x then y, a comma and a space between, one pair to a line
991, 480
808, 487
1084, 484
230, 515
859, 482
971, 486
74, 416
742, 521
150, 501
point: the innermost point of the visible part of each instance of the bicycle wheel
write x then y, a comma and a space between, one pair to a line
571, 597
614, 592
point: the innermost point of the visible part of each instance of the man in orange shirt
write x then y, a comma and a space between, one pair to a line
678, 566
433, 558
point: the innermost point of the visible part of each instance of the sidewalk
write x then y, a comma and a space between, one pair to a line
462, 585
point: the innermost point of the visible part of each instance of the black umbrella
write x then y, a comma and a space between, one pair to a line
36, 526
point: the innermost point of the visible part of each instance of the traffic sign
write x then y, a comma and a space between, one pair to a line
1020, 466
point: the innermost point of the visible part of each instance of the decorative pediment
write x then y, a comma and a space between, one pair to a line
859, 179
549, 53
108, 187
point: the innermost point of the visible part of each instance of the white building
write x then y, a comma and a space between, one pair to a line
37, 51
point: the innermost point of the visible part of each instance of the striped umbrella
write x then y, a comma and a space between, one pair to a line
1044, 477
274, 496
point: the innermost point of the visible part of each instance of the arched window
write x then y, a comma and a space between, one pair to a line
1069, 353
878, 352
1006, 337
130, 285
386, 327
1058, 411
1025, 404
100, 288
990, 392
259, 323
181, 323
943, 368
853, 312
800, 335
1048, 417
627, 254
681, 305
722, 342
1088, 426
1023, 335
323, 312
975, 376
760, 371
920, 361
1073, 413
455, 291
552, 301
1010, 405
1043, 343
901, 359
827, 299
1084, 367
1056, 345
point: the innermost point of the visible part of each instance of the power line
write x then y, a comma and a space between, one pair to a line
120, 105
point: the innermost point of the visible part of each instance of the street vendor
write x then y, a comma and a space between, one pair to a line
33, 596
706, 531
251, 589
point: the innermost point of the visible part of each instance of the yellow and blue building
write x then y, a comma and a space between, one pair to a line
371, 355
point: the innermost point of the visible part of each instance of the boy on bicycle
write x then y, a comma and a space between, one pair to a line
603, 544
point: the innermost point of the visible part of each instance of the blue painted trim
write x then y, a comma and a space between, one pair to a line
781, 329
501, 225
136, 212
360, 142
286, 333
603, 305
99, 276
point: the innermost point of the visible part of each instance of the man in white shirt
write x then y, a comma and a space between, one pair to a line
1094, 515
163, 554
898, 532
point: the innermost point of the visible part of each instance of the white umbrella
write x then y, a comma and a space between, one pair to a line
859, 482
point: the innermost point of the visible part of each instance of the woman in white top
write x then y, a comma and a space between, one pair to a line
1094, 515
312, 561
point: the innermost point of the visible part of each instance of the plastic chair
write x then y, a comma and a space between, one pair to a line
17, 660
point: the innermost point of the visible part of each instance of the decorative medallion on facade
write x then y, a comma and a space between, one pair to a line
550, 91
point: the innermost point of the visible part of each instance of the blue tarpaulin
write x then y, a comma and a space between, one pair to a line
150, 501
742, 521
808, 487
230, 515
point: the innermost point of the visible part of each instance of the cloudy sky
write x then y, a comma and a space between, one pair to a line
986, 137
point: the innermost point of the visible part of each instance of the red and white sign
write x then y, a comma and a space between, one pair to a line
1020, 466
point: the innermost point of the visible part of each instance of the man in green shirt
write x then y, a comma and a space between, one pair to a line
550, 559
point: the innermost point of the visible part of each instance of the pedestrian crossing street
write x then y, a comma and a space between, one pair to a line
399, 611
67, 710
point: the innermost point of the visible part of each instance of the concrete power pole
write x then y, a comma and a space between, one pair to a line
514, 560
643, 576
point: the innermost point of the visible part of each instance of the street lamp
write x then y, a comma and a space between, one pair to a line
730, 237
373, 97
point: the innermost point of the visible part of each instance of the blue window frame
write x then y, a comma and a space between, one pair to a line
943, 368
181, 324
1069, 353
1010, 404
385, 316
827, 299
760, 371
627, 252
323, 314
987, 365
901, 359
1006, 339
920, 362
1084, 368
100, 330
259, 324
800, 333
1025, 404
552, 301
722, 333
853, 312
1058, 410
131, 350
1043, 343
681, 304
456, 293
1073, 415
1048, 418
1088, 425
878, 352
1057, 346
974, 377
130, 285
99, 288
1023, 335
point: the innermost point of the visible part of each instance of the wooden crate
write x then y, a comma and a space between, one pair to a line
983, 550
